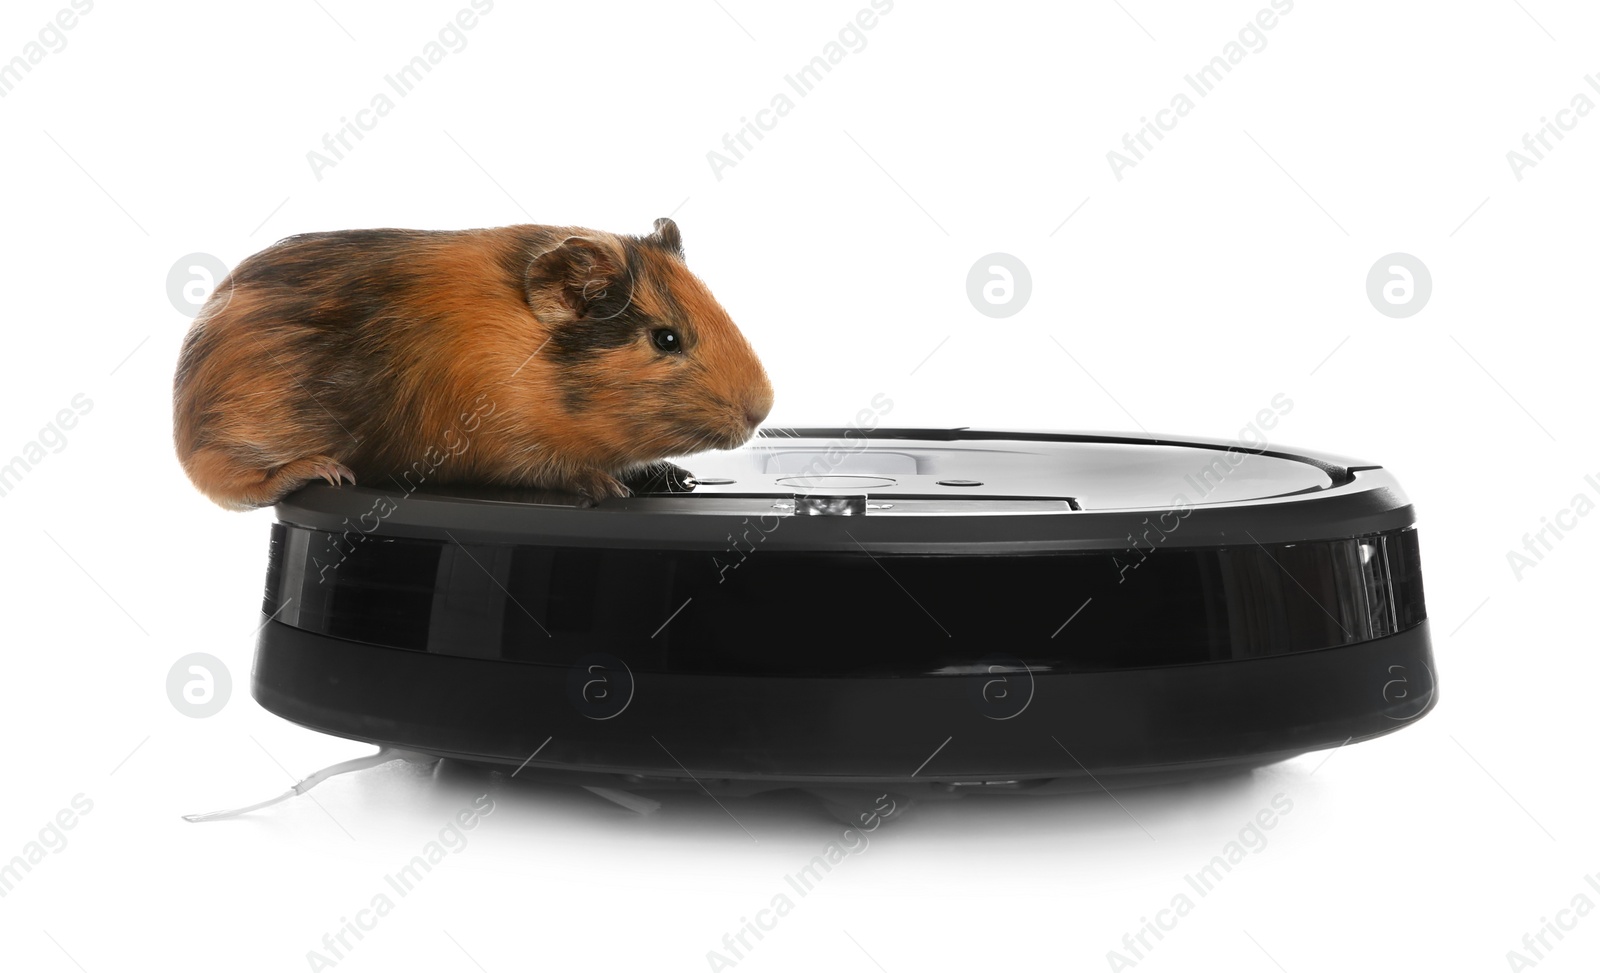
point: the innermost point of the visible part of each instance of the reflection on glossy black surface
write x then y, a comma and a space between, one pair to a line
781, 613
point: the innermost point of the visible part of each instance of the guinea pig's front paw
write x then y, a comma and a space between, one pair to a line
596, 485
661, 477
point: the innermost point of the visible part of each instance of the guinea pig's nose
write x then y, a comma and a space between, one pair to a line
754, 412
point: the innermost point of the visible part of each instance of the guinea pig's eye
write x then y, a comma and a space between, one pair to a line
666, 340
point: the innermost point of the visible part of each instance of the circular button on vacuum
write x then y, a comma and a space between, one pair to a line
961, 483
838, 481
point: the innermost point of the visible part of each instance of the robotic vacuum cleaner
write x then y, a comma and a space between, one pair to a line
913, 611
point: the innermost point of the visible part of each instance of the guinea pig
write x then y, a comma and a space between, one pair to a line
548, 356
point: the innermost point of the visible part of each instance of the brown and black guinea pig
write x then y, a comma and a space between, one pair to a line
549, 356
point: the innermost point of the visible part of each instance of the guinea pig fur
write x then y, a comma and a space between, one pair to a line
561, 357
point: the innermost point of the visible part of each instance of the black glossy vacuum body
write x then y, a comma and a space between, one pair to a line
923, 610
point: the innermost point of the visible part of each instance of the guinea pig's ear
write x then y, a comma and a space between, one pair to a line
666, 235
569, 279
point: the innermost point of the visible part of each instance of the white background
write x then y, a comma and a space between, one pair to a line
1226, 267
